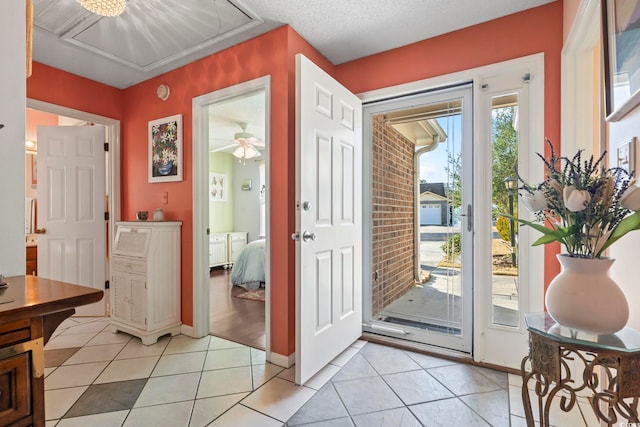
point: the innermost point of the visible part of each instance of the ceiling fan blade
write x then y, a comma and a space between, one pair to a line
226, 147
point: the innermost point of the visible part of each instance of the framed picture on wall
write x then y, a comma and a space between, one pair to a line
218, 185
621, 23
165, 149
626, 155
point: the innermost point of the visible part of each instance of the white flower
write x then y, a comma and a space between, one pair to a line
575, 200
631, 198
534, 202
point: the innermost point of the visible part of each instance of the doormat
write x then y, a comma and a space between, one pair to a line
422, 325
257, 295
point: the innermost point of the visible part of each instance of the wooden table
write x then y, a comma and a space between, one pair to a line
567, 363
31, 308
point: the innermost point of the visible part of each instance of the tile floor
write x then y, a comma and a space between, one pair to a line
100, 379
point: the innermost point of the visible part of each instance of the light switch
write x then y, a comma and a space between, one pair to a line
165, 197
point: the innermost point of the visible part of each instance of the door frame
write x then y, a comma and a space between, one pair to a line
200, 149
113, 170
533, 296
463, 92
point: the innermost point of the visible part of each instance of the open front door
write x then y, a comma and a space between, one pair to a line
71, 206
328, 219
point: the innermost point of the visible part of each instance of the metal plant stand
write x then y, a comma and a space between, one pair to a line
609, 376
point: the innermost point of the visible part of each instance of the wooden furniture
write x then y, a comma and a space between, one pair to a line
609, 371
224, 248
32, 260
31, 308
145, 279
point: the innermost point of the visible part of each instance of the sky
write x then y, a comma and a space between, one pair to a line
433, 163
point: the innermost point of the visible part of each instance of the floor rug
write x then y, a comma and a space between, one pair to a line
257, 295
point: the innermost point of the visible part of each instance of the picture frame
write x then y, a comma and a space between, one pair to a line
218, 187
626, 156
33, 165
165, 149
621, 37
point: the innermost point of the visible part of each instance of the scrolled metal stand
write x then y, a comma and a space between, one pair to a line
613, 393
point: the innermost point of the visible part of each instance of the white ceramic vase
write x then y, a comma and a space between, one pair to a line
583, 296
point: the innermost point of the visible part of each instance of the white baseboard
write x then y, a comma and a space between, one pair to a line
283, 361
188, 331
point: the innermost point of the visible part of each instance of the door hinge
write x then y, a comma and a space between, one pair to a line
106, 284
106, 216
208, 231
106, 146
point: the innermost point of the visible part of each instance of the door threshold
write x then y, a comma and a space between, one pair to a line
430, 350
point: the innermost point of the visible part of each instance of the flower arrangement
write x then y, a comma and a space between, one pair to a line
584, 204
165, 149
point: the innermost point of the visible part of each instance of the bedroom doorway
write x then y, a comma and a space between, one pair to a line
232, 129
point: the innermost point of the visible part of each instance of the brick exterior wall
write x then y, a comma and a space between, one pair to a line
393, 212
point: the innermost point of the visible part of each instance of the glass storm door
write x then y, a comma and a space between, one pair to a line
422, 218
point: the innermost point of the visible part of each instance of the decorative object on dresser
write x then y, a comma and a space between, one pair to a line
145, 280
158, 215
586, 207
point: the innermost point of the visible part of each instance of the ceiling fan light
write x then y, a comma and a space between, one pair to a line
239, 152
250, 152
104, 7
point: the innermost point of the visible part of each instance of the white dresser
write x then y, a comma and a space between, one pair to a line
145, 279
224, 248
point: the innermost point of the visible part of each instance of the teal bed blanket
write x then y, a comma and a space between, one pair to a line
248, 270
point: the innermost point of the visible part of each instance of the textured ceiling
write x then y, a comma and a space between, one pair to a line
154, 36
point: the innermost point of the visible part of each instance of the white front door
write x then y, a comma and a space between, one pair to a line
71, 206
328, 219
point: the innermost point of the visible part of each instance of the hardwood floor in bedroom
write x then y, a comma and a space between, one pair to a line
235, 319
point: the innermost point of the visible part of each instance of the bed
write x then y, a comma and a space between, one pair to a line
248, 269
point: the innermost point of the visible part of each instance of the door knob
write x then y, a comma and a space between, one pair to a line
306, 236
306, 206
41, 230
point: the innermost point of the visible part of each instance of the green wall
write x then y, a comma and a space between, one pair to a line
221, 212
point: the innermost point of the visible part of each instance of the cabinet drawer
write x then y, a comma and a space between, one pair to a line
129, 265
217, 238
238, 237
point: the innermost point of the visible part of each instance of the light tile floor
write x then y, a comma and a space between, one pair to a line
100, 379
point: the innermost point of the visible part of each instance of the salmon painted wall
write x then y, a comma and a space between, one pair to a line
525, 33
69, 90
268, 54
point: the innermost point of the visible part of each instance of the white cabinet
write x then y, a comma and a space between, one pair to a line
145, 280
237, 242
224, 248
218, 249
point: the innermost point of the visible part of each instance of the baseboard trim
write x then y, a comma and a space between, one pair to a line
188, 331
283, 361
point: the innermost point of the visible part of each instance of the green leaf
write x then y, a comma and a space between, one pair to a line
630, 223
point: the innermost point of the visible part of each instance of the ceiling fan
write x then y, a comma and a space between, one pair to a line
246, 145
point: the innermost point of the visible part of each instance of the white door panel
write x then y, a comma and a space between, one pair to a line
71, 206
329, 192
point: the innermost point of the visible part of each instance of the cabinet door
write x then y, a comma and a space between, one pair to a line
15, 388
217, 249
129, 298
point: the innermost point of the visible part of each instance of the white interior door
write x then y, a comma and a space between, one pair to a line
328, 218
71, 206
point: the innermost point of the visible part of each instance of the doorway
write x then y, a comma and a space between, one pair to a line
498, 304
422, 236
231, 196
43, 113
